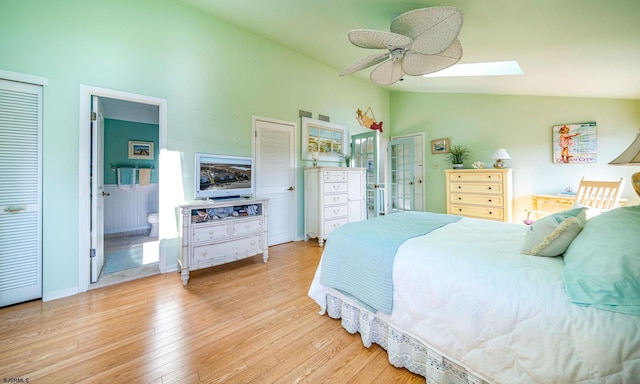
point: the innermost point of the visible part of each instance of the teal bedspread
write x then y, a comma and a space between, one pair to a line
358, 257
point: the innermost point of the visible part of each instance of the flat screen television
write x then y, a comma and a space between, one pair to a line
222, 176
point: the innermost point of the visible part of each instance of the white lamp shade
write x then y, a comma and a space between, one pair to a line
501, 154
631, 156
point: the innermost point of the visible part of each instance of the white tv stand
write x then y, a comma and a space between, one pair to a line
222, 231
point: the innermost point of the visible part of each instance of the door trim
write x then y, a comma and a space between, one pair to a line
84, 221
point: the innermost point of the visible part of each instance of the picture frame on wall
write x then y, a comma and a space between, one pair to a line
141, 150
439, 146
575, 143
323, 140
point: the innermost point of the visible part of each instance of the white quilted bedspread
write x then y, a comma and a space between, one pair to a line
467, 292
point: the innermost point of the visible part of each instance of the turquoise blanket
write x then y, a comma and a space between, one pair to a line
358, 257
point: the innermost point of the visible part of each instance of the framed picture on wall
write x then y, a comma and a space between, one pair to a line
575, 143
323, 140
141, 150
439, 146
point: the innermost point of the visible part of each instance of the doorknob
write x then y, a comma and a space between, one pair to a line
290, 189
106, 194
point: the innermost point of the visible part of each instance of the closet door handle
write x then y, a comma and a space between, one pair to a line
15, 208
106, 194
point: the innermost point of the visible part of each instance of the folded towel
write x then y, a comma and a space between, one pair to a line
144, 176
126, 178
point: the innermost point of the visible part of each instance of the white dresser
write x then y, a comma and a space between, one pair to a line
333, 196
214, 233
480, 193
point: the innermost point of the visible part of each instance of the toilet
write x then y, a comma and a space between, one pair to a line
152, 218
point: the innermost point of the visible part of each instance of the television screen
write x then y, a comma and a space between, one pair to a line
221, 176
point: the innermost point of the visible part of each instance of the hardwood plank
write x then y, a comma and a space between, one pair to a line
243, 322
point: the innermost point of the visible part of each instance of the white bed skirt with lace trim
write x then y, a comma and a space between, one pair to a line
404, 351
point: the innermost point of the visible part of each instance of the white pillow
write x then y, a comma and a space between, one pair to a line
589, 211
551, 235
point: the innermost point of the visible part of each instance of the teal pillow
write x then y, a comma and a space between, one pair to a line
602, 264
551, 235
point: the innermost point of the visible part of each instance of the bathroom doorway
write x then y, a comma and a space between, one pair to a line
129, 189
119, 208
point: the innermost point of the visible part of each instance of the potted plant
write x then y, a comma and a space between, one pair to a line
457, 155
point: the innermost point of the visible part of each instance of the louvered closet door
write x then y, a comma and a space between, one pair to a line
20, 192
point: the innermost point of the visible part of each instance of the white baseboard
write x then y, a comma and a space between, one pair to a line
60, 294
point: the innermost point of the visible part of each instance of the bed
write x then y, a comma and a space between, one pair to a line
468, 306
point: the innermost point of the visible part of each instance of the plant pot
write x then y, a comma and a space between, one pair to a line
457, 166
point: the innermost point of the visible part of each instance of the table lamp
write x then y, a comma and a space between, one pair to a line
498, 156
631, 156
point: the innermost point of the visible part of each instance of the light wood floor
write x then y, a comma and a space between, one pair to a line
246, 322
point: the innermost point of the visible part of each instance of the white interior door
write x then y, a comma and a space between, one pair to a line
97, 189
418, 169
365, 153
275, 176
20, 192
402, 181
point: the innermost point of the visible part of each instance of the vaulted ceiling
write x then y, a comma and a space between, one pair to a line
581, 48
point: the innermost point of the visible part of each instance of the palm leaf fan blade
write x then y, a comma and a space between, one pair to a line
387, 73
367, 38
417, 64
432, 29
365, 63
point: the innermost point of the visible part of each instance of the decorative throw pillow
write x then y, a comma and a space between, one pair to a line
602, 264
551, 235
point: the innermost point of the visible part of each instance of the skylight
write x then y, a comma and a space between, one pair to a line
496, 68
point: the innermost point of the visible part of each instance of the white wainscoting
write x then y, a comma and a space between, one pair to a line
126, 210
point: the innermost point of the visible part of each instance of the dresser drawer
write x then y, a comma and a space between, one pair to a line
475, 176
209, 232
226, 252
334, 176
330, 225
247, 227
335, 199
461, 198
335, 187
476, 188
335, 211
479, 212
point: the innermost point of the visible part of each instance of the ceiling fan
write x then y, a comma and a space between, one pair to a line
421, 41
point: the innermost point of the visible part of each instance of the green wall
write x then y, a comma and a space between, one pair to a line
214, 76
117, 134
523, 126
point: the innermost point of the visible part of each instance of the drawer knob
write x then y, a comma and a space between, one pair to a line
460, 209
459, 186
459, 198
490, 200
491, 213
489, 188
